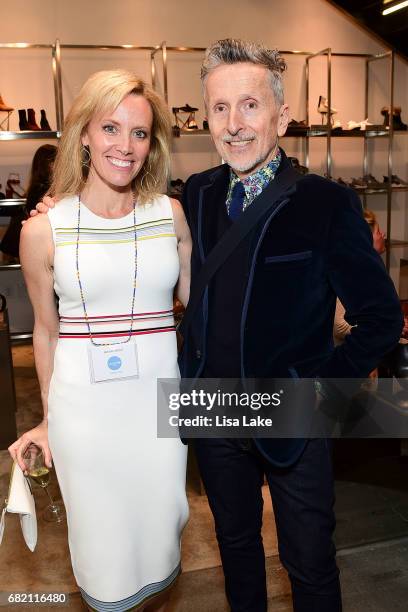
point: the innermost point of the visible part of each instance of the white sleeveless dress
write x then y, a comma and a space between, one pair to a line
123, 488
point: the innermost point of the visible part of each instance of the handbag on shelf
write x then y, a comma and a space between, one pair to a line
20, 501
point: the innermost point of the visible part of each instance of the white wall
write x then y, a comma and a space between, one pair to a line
295, 24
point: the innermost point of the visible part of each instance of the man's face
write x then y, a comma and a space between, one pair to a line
243, 117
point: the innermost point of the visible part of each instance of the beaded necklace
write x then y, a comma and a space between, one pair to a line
81, 291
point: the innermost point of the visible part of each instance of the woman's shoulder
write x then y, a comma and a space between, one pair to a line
64, 210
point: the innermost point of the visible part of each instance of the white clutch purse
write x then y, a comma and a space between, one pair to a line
21, 501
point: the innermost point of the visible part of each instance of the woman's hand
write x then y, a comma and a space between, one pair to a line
37, 436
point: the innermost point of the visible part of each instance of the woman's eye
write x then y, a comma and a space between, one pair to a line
140, 134
109, 129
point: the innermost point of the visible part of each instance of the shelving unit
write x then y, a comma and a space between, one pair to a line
368, 134
164, 51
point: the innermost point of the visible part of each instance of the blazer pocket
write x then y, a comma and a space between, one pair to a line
301, 256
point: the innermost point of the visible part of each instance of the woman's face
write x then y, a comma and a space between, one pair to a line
378, 239
119, 142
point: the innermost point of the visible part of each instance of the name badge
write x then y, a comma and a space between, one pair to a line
113, 362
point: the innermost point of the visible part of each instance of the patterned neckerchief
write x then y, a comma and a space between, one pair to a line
255, 183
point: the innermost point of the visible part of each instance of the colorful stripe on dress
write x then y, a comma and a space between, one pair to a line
160, 228
142, 596
112, 326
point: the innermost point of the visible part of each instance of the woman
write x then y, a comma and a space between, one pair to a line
113, 249
40, 179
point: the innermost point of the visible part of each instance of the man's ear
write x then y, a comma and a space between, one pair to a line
283, 119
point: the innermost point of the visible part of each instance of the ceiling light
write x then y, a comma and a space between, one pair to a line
395, 7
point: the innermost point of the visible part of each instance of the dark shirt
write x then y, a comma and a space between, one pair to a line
227, 289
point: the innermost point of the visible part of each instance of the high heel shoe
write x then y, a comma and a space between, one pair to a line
44, 121
323, 108
22, 119
5, 107
32, 124
14, 189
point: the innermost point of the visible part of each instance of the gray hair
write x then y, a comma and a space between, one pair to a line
234, 50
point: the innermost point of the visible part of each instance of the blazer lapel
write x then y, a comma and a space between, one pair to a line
211, 196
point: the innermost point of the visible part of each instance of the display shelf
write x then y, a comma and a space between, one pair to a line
13, 202
393, 244
29, 135
379, 190
178, 133
13, 266
322, 131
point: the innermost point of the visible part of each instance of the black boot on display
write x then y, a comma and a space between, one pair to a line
44, 121
396, 119
22, 119
32, 124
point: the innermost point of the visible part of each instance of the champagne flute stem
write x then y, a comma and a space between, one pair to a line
49, 495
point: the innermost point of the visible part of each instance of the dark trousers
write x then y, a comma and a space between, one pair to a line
302, 497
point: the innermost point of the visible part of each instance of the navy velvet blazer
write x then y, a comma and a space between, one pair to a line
317, 246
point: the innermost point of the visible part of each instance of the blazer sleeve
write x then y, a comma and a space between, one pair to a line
358, 277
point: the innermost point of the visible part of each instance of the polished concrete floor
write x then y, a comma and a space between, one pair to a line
372, 535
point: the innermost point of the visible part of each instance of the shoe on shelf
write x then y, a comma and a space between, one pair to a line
192, 124
372, 182
297, 166
396, 181
5, 107
44, 121
297, 124
358, 183
341, 182
188, 109
22, 119
358, 125
177, 186
337, 127
32, 124
14, 189
323, 107
397, 122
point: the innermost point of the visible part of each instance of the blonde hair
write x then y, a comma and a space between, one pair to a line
101, 94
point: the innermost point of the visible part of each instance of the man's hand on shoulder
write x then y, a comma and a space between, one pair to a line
43, 206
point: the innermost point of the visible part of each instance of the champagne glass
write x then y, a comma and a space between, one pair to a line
39, 473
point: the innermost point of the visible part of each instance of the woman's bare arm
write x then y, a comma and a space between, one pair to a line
36, 256
184, 251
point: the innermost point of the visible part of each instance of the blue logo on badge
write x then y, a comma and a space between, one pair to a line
114, 362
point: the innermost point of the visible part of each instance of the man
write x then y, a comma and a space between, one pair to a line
268, 312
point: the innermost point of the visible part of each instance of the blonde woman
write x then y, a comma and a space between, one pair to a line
113, 249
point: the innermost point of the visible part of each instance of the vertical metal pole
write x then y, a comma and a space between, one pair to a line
390, 145
365, 158
164, 55
307, 112
329, 156
56, 93
60, 120
153, 70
